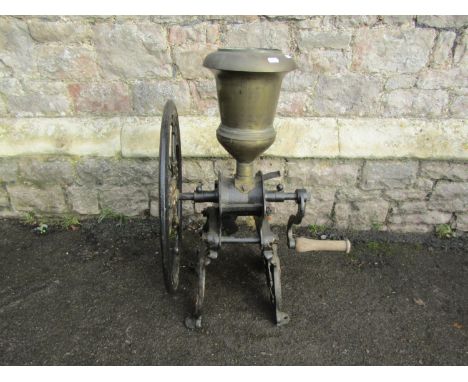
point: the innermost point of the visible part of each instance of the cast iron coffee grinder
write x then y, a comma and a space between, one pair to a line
248, 83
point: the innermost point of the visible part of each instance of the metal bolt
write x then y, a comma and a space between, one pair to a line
279, 187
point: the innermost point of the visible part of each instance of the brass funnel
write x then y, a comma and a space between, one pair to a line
248, 82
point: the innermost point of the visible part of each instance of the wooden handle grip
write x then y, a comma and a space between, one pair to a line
304, 244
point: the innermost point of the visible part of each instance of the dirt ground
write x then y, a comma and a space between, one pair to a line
95, 296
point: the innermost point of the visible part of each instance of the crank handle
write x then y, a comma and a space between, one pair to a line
304, 244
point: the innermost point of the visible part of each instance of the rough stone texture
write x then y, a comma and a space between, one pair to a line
257, 34
83, 200
400, 81
149, 97
392, 50
52, 31
349, 94
362, 215
67, 62
423, 103
120, 172
35, 98
383, 195
323, 61
70, 136
449, 196
291, 104
133, 50
17, 47
443, 21
189, 60
8, 170
402, 138
459, 106
4, 200
127, 200
460, 55
54, 171
308, 39
322, 172
101, 98
48, 200
462, 222
388, 174
367, 87
455, 171
443, 79
442, 52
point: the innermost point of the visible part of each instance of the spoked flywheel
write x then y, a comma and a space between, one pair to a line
170, 186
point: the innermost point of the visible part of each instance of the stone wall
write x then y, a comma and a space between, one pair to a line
372, 122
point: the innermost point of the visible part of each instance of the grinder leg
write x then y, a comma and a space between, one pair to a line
273, 273
195, 321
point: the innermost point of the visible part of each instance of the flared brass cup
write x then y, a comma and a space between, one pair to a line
248, 83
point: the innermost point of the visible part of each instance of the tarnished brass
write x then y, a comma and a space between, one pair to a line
248, 82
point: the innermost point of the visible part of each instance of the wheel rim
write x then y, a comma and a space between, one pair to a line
170, 186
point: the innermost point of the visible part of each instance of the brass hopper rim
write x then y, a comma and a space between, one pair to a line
257, 60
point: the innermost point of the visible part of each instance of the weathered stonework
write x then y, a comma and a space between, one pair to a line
47, 200
373, 122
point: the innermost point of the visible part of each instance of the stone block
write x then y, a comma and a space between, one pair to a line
387, 50
101, 98
118, 172
257, 34
423, 217
127, 200
56, 31
415, 102
362, 215
195, 170
57, 62
47, 200
309, 39
460, 55
35, 98
72, 136
189, 60
348, 94
459, 106
400, 81
83, 200
149, 97
444, 170
403, 138
462, 222
292, 104
133, 51
449, 196
443, 79
17, 47
8, 169
350, 22
299, 81
4, 199
322, 172
414, 228
200, 33
52, 170
324, 61
442, 52
388, 174
443, 21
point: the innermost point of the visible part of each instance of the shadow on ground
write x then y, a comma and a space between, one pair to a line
95, 297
